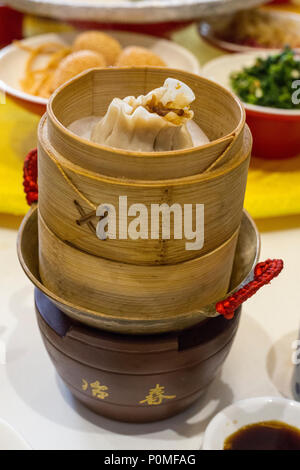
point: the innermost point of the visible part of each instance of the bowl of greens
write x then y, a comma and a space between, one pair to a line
268, 83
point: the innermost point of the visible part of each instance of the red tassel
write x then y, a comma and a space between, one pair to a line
30, 176
263, 274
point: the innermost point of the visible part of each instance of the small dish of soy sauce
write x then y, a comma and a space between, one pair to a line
267, 435
264, 423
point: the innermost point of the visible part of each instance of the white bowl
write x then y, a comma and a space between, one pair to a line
10, 439
13, 59
276, 132
220, 70
242, 413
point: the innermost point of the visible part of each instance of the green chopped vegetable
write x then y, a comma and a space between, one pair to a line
269, 81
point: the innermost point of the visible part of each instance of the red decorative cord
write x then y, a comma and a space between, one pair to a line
263, 274
30, 175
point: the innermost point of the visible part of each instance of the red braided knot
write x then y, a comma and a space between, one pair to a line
30, 175
263, 274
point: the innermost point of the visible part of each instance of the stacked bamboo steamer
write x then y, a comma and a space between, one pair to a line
142, 278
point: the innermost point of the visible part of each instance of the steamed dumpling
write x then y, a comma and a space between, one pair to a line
155, 122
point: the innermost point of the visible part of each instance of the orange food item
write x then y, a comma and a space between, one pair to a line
100, 42
139, 56
74, 64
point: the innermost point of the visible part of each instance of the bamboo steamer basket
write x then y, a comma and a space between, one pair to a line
117, 288
246, 257
217, 111
75, 176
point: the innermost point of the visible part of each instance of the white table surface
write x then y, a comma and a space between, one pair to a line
38, 405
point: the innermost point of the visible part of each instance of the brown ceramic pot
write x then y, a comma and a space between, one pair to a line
134, 378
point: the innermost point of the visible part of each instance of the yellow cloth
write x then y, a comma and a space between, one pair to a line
273, 186
17, 137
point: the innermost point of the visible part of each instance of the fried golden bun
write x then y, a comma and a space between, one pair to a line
97, 41
74, 64
139, 56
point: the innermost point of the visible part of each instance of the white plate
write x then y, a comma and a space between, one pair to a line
134, 11
13, 59
220, 70
242, 413
10, 439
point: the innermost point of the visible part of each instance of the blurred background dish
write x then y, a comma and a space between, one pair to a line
138, 11
275, 131
246, 30
14, 60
